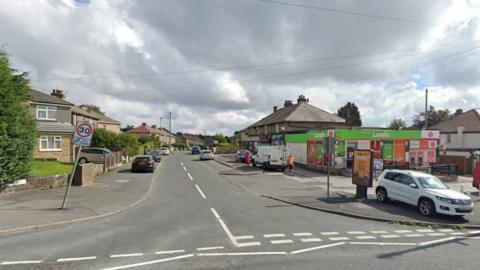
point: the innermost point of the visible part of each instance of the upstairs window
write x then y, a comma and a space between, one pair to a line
46, 112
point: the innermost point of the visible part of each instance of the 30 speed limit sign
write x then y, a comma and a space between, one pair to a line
83, 134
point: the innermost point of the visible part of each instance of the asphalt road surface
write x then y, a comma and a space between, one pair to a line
197, 219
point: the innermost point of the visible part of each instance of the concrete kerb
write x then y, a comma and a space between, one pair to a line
397, 221
223, 163
83, 219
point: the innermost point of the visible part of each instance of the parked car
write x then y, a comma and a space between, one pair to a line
206, 155
156, 155
196, 150
423, 190
165, 151
271, 157
240, 155
93, 155
143, 163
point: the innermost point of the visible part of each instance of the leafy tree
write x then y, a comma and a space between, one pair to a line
127, 128
350, 113
125, 142
93, 108
17, 126
104, 138
128, 143
434, 117
397, 123
149, 142
220, 138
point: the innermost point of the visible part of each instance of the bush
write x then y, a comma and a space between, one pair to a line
17, 126
124, 142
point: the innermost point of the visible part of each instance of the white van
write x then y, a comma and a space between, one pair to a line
271, 156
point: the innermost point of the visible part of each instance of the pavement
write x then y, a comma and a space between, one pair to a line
196, 218
112, 192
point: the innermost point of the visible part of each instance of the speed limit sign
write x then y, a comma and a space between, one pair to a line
83, 134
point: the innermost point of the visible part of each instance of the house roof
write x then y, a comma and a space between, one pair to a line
300, 112
55, 127
470, 120
40, 97
144, 129
84, 112
102, 118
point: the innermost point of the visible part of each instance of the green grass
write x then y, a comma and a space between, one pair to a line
49, 167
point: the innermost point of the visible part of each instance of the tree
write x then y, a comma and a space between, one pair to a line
128, 143
434, 117
220, 138
93, 108
397, 123
17, 126
351, 114
104, 138
127, 128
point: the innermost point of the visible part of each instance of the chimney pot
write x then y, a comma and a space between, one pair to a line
58, 93
275, 108
288, 103
144, 124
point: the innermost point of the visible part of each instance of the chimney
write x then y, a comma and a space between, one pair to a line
275, 108
154, 126
58, 93
144, 124
302, 99
458, 112
287, 103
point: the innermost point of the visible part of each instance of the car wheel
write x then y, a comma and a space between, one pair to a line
426, 207
381, 194
82, 160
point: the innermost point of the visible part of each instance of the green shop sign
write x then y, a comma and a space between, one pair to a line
356, 134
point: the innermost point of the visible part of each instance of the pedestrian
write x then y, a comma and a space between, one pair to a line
290, 163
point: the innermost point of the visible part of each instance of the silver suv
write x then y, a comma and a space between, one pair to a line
93, 155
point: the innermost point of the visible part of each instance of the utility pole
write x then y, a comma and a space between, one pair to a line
161, 144
426, 108
170, 128
205, 138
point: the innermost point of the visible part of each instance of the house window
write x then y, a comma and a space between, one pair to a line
50, 143
46, 112
449, 138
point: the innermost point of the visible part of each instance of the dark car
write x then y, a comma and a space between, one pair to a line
143, 163
157, 155
196, 150
240, 155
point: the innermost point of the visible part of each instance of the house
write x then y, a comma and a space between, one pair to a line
459, 137
83, 115
192, 140
163, 135
54, 129
102, 121
297, 117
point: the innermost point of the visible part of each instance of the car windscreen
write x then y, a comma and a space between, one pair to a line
431, 182
206, 152
142, 159
154, 153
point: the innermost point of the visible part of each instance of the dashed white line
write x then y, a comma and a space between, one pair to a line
184, 168
181, 163
390, 236
126, 255
149, 262
224, 227
473, 232
329, 233
170, 251
77, 259
190, 176
339, 238
435, 234
19, 262
209, 248
244, 237
356, 232
379, 232
403, 231
201, 192
316, 248
425, 230
249, 244
302, 234
446, 230
457, 233
364, 237
414, 235
382, 244
275, 235
242, 253
309, 240
284, 241
437, 241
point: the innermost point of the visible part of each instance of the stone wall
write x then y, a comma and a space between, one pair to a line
34, 182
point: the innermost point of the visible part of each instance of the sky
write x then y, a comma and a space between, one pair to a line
221, 65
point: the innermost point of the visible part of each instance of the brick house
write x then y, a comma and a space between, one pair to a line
163, 135
83, 114
54, 129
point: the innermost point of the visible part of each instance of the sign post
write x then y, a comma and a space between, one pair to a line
81, 137
331, 134
362, 174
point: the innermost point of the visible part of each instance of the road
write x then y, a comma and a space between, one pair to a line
197, 219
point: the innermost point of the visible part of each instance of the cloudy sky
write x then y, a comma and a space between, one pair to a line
222, 64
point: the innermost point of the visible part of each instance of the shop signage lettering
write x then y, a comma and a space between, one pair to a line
381, 135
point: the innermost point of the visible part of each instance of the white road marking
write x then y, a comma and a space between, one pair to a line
457, 233
122, 181
302, 234
446, 230
77, 259
316, 248
181, 163
244, 237
19, 262
249, 244
379, 232
414, 235
284, 241
275, 235
243, 253
403, 231
224, 227
339, 238
170, 251
201, 192
329, 233
425, 230
126, 255
309, 240
363, 237
473, 232
209, 248
382, 244
435, 234
190, 176
437, 241
184, 168
149, 262
356, 232
389, 236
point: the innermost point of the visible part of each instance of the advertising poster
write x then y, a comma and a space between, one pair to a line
387, 150
311, 152
341, 149
399, 151
319, 152
362, 168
